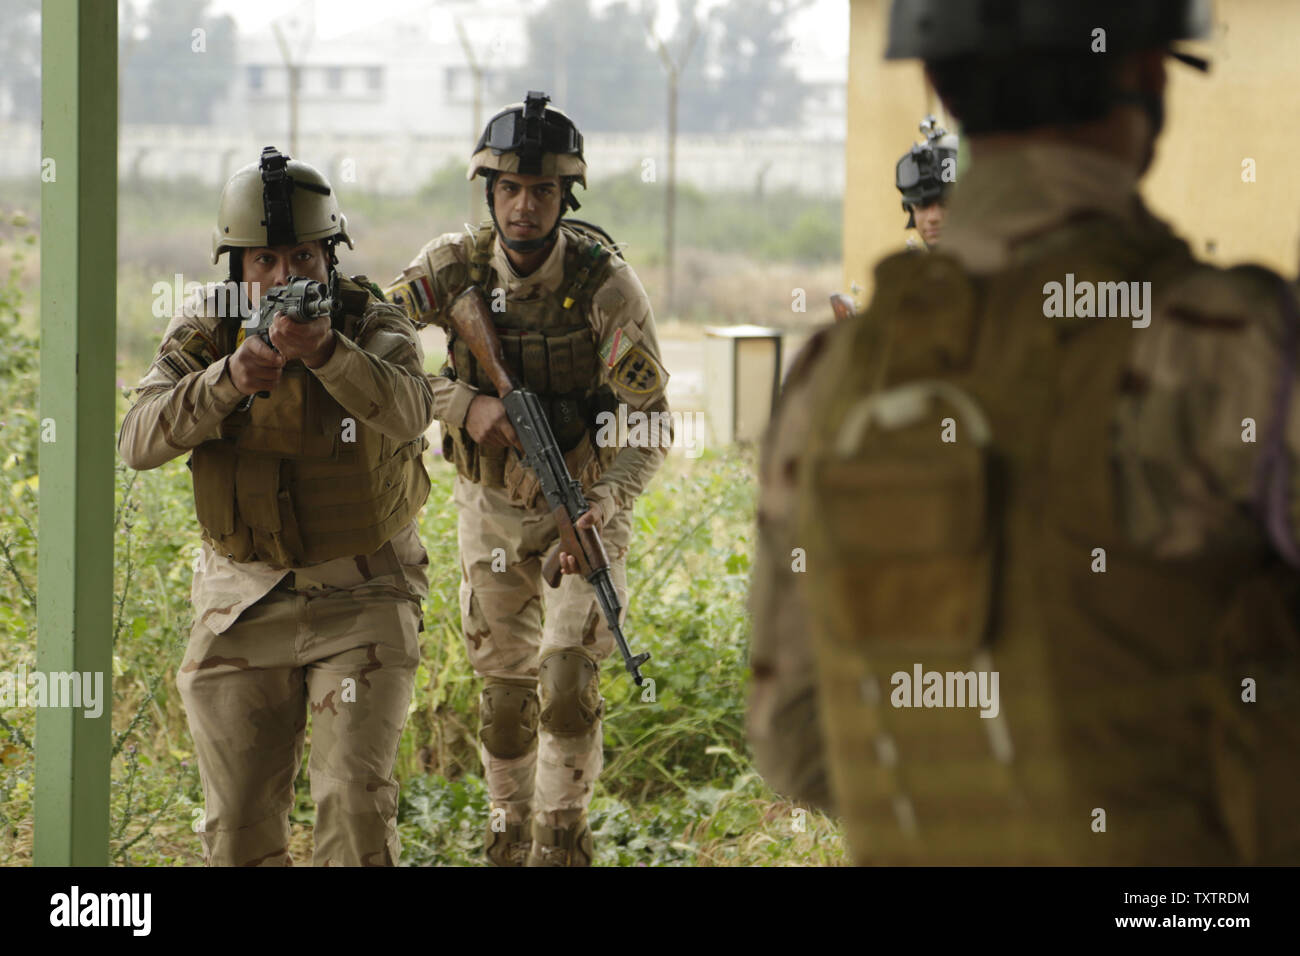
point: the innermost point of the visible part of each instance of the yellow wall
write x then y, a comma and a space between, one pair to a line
886, 101
1244, 107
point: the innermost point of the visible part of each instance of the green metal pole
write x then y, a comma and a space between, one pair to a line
78, 366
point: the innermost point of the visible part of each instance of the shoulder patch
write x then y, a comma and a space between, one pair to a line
414, 296
200, 346
638, 373
186, 350
618, 344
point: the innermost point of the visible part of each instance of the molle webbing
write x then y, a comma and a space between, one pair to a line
480, 255
976, 555
547, 346
558, 363
287, 484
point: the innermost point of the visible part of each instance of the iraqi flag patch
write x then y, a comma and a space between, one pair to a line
616, 346
414, 296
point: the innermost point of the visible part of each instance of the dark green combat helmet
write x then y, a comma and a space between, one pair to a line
1020, 64
927, 171
942, 29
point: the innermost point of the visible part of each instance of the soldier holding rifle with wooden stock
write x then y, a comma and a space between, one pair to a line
547, 328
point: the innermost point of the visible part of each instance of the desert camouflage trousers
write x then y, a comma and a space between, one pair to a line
511, 619
349, 655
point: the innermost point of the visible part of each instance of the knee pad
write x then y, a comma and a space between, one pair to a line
569, 681
508, 718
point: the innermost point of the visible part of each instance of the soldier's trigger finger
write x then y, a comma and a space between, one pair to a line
262, 353
509, 436
279, 326
285, 323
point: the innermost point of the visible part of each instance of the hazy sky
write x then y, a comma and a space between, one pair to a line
823, 27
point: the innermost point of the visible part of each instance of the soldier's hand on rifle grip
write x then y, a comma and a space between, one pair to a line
313, 341
585, 524
488, 424
255, 366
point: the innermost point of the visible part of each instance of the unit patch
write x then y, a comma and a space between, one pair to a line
198, 345
639, 374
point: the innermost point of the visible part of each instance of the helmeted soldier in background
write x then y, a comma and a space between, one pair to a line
1051, 549
924, 175
576, 328
308, 585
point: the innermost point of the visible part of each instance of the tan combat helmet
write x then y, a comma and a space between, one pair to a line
530, 138
277, 201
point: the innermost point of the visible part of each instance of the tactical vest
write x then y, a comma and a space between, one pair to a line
295, 480
550, 347
1120, 735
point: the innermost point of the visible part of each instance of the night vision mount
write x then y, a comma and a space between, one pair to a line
277, 197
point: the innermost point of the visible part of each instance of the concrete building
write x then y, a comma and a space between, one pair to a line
407, 73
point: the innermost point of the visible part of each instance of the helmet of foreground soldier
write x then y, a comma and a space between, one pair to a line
277, 201
532, 139
942, 29
919, 175
1017, 64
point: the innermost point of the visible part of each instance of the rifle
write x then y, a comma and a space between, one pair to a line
301, 299
471, 321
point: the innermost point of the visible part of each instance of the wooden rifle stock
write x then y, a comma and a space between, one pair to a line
583, 543
471, 321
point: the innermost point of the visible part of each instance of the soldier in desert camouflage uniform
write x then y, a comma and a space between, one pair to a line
307, 589
576, 327
1111, 528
